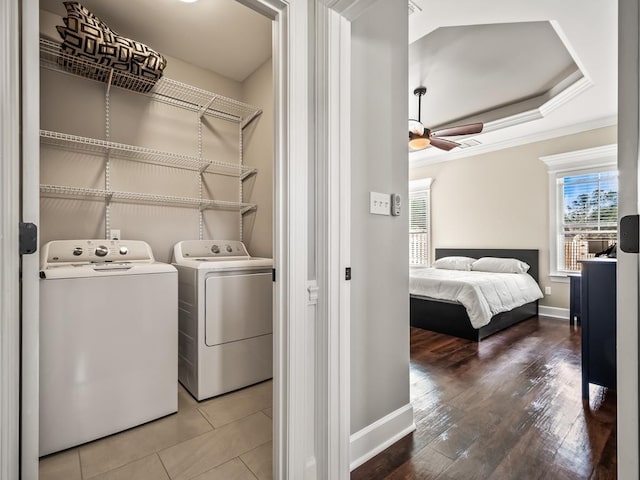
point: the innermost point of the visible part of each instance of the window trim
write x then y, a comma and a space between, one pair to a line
589, 160
416, 186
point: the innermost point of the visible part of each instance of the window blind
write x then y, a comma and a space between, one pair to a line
589, 216
419, 224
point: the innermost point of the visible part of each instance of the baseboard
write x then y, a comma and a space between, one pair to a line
371, 440
556, 312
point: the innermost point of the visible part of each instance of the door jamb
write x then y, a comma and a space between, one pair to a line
9, 260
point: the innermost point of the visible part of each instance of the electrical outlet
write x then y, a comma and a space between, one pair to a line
379, 203
115, 234
547, 290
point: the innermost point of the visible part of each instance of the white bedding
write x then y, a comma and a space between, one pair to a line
483, 294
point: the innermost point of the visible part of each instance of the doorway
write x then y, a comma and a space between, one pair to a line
288, 108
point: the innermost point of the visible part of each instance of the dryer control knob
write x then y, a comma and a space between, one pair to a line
101, 251
77, 251
124, 250
215, 249
229, 249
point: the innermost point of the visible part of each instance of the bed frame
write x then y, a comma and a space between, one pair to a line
452, 319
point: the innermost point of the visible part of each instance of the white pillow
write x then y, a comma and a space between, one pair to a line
454, 263
500, 265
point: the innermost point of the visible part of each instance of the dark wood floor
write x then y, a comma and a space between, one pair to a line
506, 408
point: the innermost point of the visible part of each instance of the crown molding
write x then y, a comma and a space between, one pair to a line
420, 184
605, 155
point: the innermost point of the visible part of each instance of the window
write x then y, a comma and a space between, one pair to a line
583, 214
589, 216
419, 221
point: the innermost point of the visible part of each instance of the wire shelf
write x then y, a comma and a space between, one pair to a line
145, 155
164, 90
62, 191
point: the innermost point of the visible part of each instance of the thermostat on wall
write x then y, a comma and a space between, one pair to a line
395, 204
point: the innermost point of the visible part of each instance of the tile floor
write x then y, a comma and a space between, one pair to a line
225, 438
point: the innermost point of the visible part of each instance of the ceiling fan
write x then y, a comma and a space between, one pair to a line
421, 137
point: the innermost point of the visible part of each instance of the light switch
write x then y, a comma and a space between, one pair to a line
379, 203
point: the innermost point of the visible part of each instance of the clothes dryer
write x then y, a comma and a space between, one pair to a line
225, 316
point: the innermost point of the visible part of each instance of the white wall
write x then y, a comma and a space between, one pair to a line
380, 257
501, 200
257, 89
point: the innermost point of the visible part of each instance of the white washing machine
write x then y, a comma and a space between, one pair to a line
225, 316
108, 340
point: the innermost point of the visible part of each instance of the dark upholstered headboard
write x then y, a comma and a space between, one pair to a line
529, 256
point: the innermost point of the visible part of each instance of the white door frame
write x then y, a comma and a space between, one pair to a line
30, 213
333, 241
9, 218
294, 446
628, 264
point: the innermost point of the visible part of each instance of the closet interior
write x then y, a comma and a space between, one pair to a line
185, 158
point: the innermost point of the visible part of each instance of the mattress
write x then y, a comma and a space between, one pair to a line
483, 294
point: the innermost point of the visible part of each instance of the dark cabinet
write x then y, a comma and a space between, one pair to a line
598, 319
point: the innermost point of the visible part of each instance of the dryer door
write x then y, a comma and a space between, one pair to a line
237, 307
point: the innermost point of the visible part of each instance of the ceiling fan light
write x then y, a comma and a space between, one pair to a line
419, 143
416, 127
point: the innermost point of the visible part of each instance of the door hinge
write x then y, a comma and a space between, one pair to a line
273, 274
629, 234
28, 238
347, 273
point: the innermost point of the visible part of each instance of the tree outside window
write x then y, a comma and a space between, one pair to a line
590, 214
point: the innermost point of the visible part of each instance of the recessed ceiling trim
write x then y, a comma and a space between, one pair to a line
530, 109
530, 115
566, 95
512, 120
543, 110
422, 161
569, 47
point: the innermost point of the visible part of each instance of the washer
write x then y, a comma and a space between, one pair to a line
108, 340
225, 316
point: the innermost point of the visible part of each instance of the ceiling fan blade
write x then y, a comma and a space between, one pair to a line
459, 130
443, 143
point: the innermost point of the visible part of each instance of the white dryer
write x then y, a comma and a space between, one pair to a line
108, 340
225, 316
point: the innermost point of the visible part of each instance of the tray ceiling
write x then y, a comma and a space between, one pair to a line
529, 70
486, 67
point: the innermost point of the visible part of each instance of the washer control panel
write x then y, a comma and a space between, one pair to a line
82, 252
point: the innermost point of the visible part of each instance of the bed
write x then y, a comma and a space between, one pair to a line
452, 318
